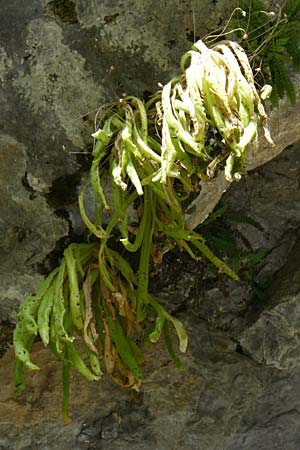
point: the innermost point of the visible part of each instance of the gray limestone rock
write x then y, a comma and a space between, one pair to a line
274, 338
273, 421
222, 401
196, 408
29, 229
60, 61
268, 196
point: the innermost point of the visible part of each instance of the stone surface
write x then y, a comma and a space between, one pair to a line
29, 229
273, 339
222, 401
273, 422
269, 196
186, 410
59, 62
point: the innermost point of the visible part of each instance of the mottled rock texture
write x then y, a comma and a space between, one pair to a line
29, 228
197, 408
273, 339
59, 61
269, 195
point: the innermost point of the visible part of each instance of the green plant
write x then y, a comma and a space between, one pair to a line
95, 311
272, 41
228, 243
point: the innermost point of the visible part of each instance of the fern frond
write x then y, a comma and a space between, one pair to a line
292, 9
293, 44
281, 81
272, 41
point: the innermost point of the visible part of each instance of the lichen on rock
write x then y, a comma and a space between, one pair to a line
57, 81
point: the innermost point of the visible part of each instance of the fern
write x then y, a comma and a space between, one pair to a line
292, 9
224, 238
293, 45
272, 39
282, 83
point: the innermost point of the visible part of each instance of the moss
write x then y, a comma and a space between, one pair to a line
65, 10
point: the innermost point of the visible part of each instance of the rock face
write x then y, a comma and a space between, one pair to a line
269, 196
223, 400
60, 60
197, 408
29, 228
274, 338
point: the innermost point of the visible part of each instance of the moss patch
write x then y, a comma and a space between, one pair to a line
65, 10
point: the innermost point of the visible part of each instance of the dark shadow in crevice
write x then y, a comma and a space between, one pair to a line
28, 188
64, 191
6, 337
